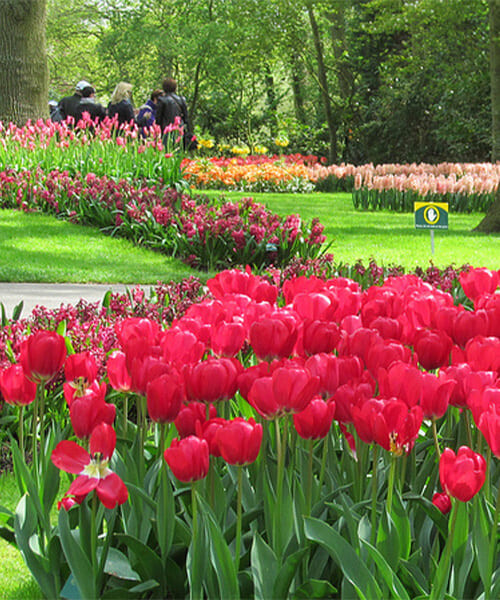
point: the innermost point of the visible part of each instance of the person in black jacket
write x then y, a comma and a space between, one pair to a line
120, 104
67, 105
171, 107
88, 105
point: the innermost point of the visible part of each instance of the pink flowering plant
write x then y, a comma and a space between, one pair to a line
206, 233
301, 438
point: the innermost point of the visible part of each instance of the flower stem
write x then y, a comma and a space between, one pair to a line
93, 536
374, 494
20, 430
34, 427
194, 508
390, 485
323, 462
125, 415
237, 551
437, 589
492, 548
309, 479
435, 435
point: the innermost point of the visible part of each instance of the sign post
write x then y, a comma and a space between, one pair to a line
431, 215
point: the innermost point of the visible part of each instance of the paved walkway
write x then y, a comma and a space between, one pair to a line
51, 295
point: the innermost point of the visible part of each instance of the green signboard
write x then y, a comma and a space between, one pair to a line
431, 215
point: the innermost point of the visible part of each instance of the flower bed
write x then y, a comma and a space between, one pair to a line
308, 440
206, 233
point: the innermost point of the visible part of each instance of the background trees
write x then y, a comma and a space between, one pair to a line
352, 80
23, 62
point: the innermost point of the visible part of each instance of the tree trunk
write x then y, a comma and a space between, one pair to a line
23, 61
323, 84
297, 87
491, 221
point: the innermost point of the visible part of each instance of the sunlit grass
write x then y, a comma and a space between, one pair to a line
389, 238
40, 248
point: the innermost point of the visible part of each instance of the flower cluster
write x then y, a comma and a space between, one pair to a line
206, 233
386, 369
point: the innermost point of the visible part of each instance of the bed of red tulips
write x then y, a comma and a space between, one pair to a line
315, 440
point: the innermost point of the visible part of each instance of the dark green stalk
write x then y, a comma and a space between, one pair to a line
468, 427
20, 430
93, 536
493, 546
309, 479
437, 589
237, 550
390, 484
435, 435
374, 494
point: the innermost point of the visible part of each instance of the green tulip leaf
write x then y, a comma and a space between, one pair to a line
118, 565
389, 576
344, 555
264, 566
314, 589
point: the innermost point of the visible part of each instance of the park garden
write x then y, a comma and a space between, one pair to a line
298, 395
278, 418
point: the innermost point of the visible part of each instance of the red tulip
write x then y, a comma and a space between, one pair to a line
274, 336
360, 342
318, 336
348, 395
468, 324
227, 339
385, 352
477, 282
401, 380
249, 375
462, 475
442, 502
92, 469
137, 327
326, 368
239, 441
181, 347
389, 423
289, 389
315, 306
118, 376
81, 367
436, 392
315, 421
481, 399
90, 410
190, 415
388, 328
42, 355
489, 425
164, 396
483, 353
188, 458
238, 282
433, 348
15, 387
301, 285
212, 380
208, 431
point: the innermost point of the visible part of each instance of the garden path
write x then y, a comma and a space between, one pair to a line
51, 295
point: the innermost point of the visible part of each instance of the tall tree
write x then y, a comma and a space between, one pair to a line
23, 61
491, 222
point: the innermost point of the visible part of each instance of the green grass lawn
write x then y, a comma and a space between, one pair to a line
40, 248
16, 582
387, 237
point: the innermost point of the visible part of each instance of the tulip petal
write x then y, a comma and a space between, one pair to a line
112, 491
70, 457
82, 486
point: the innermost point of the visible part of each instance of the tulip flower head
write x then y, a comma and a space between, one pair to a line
239, 441
42, 355
15, 387
463, 474
188, 458
92, 468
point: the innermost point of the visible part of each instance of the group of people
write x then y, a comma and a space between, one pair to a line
163, 108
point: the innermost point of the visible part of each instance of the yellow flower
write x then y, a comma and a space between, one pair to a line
260, 149
281, 141
208, 143
242, 150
